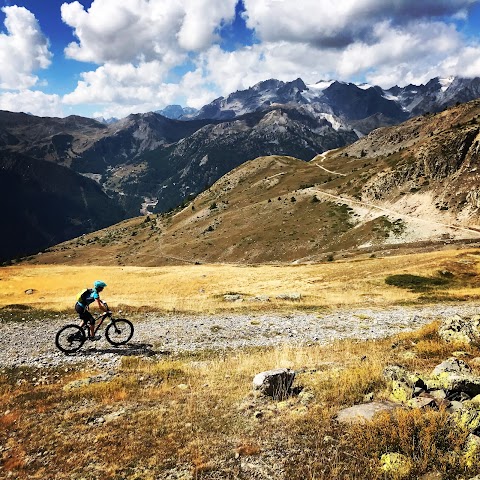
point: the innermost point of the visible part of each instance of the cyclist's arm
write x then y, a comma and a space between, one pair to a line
101, 305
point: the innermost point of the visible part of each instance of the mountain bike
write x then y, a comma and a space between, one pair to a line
70, 338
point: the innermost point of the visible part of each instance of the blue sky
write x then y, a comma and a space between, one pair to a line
111, 58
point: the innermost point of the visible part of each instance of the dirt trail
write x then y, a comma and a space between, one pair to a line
32, 344
394, 213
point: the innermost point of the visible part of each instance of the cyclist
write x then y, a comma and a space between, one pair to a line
84, 299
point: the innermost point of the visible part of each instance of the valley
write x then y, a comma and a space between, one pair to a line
148, 163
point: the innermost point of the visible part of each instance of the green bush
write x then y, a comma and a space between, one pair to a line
415, 283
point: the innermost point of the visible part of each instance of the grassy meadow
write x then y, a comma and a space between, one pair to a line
194, 415
200, 288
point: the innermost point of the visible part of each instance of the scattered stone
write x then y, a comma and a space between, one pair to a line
396, 465
461, 354
431, 476
274, 383
469, 418
456, 329
368, 397
422, 402
454, 406
365, 412
306, 397
104, 377
233, 298
260, 298
452, 365
295, 297
110, 417
471, 453
438, 394
30, 291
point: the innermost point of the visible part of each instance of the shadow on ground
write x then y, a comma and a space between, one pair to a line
132, 349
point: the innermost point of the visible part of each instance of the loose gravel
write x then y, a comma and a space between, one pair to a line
32, 343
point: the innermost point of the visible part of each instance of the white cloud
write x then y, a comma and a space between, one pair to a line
467, 62
143, 30
418, 46
137, 43
34, 102
125, 89
339, 23
23, 49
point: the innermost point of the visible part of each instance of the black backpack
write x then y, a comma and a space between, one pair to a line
83, 295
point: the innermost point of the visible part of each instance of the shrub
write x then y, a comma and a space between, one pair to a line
415, 283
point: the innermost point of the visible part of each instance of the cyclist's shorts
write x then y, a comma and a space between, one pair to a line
84, 313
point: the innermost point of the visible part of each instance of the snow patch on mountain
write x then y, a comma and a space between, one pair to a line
321, 85
446, 82
334, 122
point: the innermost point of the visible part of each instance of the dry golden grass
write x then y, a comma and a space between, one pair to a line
200, 288
198, 415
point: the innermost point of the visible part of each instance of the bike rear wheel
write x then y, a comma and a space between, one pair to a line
119, 332
70, 338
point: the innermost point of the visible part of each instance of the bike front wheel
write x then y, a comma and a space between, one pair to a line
119, 332
70, 338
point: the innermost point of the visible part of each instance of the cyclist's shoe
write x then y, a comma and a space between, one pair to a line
75, 337
93, 339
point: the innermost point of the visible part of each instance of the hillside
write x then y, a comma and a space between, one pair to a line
45, 203
413, 184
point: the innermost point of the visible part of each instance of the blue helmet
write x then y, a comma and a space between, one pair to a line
99, 284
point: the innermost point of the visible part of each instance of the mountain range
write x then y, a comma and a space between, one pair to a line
150, 163
414, 186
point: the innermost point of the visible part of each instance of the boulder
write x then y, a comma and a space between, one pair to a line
469, 418
452, 364
234, 297
364, 412
274, 383
471, 453
455, 377
402, 383
457, 387
396, 465
422, 402
460, 330
294, 297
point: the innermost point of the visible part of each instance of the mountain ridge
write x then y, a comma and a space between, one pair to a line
149, 163
390, 189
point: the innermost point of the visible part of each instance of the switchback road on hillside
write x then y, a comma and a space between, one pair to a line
395, 213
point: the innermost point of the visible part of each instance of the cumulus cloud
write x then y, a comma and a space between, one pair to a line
23, 49
34, 102
137, 44
339, 23
125, 89
143, 30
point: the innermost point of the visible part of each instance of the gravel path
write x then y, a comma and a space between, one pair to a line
32, 343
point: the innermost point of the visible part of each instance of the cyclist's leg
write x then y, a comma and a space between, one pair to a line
87, 318
90, 321
80, 310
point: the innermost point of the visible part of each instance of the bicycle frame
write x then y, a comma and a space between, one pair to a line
102, 317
